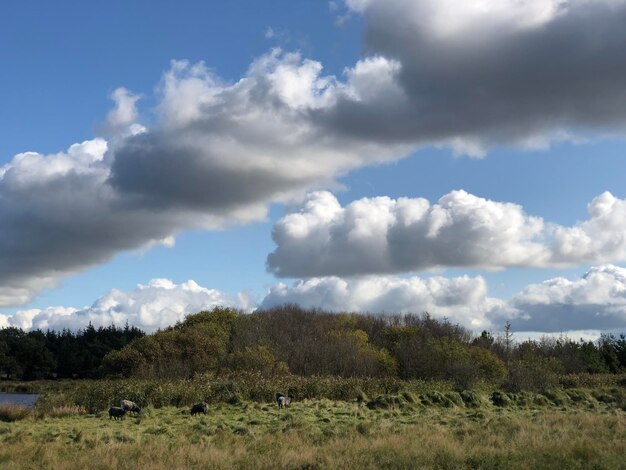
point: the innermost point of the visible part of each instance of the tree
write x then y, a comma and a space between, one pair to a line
508, 340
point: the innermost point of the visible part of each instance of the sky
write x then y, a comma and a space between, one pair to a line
383, 156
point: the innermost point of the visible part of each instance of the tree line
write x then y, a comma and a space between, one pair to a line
64, 354
292, 340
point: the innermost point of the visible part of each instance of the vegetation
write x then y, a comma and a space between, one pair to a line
289, 340
65, 354
370, 392
433, 430
10, 413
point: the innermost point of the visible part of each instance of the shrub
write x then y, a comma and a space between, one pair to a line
579, 396
500, 399
11, 413
438, 399
259, 359
534, 374
471, 399
557, 397
529, 399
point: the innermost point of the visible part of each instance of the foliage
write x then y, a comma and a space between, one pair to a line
36, 355
532, 373
289, 341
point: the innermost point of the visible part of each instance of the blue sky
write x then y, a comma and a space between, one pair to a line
417, 110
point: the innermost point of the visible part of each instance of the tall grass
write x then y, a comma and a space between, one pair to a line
98, 395
11, 413
321, 434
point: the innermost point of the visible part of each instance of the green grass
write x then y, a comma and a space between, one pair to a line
430, 429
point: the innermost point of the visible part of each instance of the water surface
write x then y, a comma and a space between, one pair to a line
24, 399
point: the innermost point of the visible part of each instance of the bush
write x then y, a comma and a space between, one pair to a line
591, 380
529, 399
11, 413
500, 399
439, 399
471, 399
535, 374
580, 396
557, 397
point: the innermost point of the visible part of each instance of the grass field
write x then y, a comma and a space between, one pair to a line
573, 430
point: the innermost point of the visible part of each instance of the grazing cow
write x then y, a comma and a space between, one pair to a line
283, 400
199, 408
130, 406
116, 412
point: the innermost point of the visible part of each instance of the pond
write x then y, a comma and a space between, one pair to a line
24, 399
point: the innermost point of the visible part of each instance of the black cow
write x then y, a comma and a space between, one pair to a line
199, 408
116, 412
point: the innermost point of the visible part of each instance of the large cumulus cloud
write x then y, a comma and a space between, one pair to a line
383, 235
466, 74
218, 154
478, 73
596, 302
462, 300
222, 146
59, 215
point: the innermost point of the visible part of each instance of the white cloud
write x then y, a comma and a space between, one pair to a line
580, 308
122, 119
596, 301
445, 18
382, 235
461, 299
600, 239
590, 305
158, 304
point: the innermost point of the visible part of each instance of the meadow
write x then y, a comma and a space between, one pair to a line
567, 428
370, 392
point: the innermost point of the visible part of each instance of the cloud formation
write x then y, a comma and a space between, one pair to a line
158, 304
383, 235
60, 215
463, 299
594, 303
222, 147
468, 75
477, 74
218, 155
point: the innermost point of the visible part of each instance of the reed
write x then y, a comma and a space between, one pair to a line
11, 413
